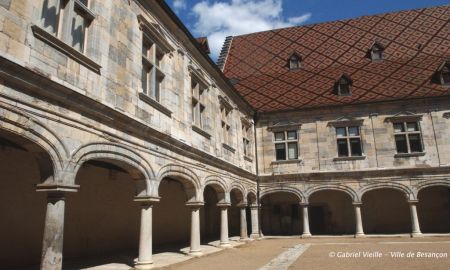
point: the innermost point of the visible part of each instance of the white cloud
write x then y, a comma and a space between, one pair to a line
179, 4
221, 19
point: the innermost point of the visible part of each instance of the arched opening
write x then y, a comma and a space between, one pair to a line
385, 211
102, 220
331, 212
434, 209
281, 214
210, 213
171, 216
237, 200
22, 208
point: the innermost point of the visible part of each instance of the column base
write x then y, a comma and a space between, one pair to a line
246, 239
306, 235
359, 235
144, 265
255, 236
195, 253
225, 245
416, 234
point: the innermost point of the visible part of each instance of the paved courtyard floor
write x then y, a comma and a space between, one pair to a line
329, 253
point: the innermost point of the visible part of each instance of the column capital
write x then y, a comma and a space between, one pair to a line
223, 205
56, 187
357, 203
413, 201
304, 203
242, 205
254, 206
146, 199
195, 205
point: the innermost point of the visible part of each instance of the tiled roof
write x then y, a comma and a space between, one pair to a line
416, 43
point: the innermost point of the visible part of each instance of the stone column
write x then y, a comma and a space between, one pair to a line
414, 219
195, 249
242, 209
358, 220
224, 241
306, 232
255, 222
145, 260
52, 242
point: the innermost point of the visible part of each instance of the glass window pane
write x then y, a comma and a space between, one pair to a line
292, 151
144, 79
341, 132
399, 127
78, 27
280, 151
400, 143
412, 126
415, 143
342, 148
355, 146
292, 135
353, 131
279, 136
50, 15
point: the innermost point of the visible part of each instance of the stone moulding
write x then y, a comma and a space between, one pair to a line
229, 148
61, 46
349, 158
155, 33
406, 155
201, 132
404, 116
155, 104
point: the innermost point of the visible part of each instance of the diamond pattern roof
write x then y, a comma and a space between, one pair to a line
416, 43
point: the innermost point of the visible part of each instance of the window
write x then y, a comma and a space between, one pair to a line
408, 138
443, 73
198, 104
348, 141
152, 75
68, 20
225, 123
376, 52
344, 85
286, 145
294, 61
246, 131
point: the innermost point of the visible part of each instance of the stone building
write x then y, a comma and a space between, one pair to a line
119, 134
352, 123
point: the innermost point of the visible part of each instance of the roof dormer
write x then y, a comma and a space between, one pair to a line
294, 61
376, 51
443, 73
344, 85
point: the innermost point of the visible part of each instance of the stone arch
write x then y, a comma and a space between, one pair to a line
220, 186
432, 183
352, 193
120, 155
292, 190
187, 177
251, 197
240, 191
409, 194
29, 128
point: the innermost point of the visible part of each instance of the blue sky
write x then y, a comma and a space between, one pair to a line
217, 19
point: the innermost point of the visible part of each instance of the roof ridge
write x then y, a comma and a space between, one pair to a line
343, 20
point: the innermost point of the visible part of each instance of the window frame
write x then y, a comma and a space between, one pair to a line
198, 91
347, 137
407, 134
246, 140
286, 142
225, 120
152, 64
344, 80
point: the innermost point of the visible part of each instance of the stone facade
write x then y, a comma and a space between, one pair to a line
70, 106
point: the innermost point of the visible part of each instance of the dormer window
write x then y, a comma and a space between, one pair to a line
294, 61
376, 52
443, 73
343, 85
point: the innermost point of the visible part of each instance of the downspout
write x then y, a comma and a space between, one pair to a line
255, 119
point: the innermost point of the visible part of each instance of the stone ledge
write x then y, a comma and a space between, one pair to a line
289, 161
155, 104
229, 148
349, 158
406, 155
201, 132
61, 46
247, 158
